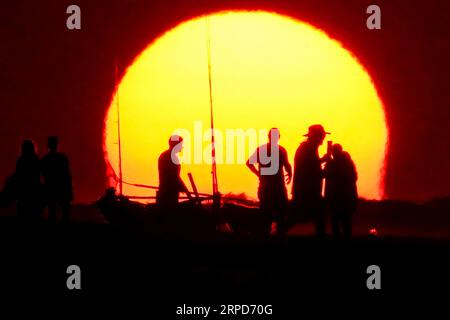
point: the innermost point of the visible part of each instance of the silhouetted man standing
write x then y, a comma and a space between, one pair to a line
170, 182
272, 161
340, 191
308, 177
57, 180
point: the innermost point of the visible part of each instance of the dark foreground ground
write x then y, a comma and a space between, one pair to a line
119, 267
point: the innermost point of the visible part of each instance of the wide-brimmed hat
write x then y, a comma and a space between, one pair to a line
316, 130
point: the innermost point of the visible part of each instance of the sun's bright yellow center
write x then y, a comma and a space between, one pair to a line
268, 71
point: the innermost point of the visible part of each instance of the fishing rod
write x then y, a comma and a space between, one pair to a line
215, 187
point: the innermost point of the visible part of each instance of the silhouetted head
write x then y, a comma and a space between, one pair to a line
28, 149
336, 150
52, 143
175, 141
274, 135
316, 134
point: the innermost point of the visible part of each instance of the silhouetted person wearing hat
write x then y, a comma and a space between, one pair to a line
57, 180
170, 182
340, 191
308, 177
272, 161
28, 183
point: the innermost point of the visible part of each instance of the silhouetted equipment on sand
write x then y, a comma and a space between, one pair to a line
185, 221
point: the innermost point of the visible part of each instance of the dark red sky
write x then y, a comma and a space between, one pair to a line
56, 81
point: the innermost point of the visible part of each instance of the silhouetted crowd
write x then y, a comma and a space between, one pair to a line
310, 200
320, 185
38, 184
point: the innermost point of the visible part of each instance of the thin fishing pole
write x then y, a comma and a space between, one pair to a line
213, 146
116, 80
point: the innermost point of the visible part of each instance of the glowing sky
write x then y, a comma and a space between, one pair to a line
268, 71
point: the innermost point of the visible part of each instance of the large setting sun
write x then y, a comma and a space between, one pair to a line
267, 71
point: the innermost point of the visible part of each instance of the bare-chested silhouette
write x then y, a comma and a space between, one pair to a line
28, 183
57, 180
272, 193
340, 191
170, 182
308, 177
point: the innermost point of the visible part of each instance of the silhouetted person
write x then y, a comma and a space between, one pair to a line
340, 191
308, 177
170, 182
57, 180
28, 183
272, 161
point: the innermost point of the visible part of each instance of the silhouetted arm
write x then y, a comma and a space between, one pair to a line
252, 168
287, 166
251, 163
326, 157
